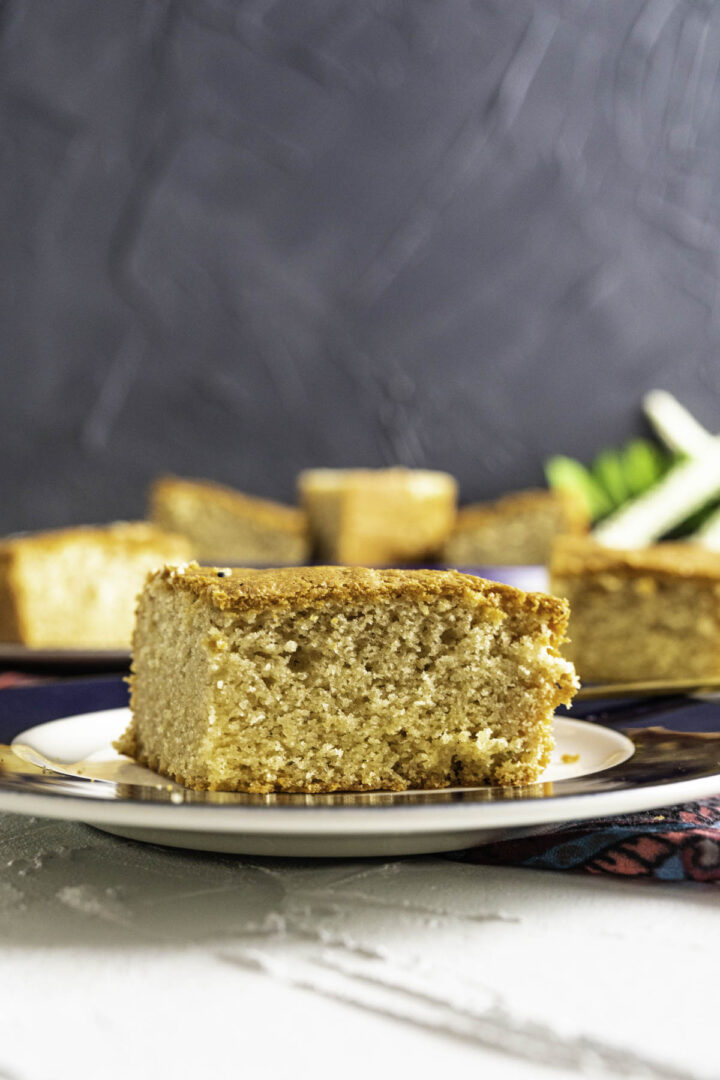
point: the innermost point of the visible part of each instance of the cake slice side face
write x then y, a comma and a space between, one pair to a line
651, 613
395, 524
344, 680
517, 529
77, 587
170, 684
224, 525
378, 517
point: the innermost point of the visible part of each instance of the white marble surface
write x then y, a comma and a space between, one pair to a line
121, 960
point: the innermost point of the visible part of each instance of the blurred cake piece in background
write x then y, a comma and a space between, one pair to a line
76, 588
645, 613
378, 517
518, 529
226, 526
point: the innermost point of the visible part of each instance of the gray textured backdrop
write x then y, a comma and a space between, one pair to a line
240, 238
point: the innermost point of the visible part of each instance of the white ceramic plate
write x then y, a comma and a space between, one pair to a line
68, 769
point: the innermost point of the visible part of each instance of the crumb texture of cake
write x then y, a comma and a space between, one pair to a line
77, 587
226, 526
330, 679
378, 517
518, 529
648, 613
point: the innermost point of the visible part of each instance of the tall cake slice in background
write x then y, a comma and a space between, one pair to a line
226, 526
518, 529
378, 517
329, 679
77, 587
645, 613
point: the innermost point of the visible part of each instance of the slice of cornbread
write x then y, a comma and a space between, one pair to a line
225, 526
343, 679
76, 588
518, 529
649, 613
378, 517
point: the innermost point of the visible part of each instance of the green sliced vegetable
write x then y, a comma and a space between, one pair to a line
641, 492
566, 474
608, 469
643, 465
686, 487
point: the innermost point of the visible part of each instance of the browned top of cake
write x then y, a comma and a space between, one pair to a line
418, 481
574, 556
274, 515
127, 534
243, 589
517, 502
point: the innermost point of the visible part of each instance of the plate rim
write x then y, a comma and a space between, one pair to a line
456, 817
368, 820
17, 651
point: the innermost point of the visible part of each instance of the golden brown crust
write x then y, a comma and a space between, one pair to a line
396, 476
273, 515
573, 511
244, 589
573, 557
129, 534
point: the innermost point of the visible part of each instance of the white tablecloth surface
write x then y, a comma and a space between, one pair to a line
124, 960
